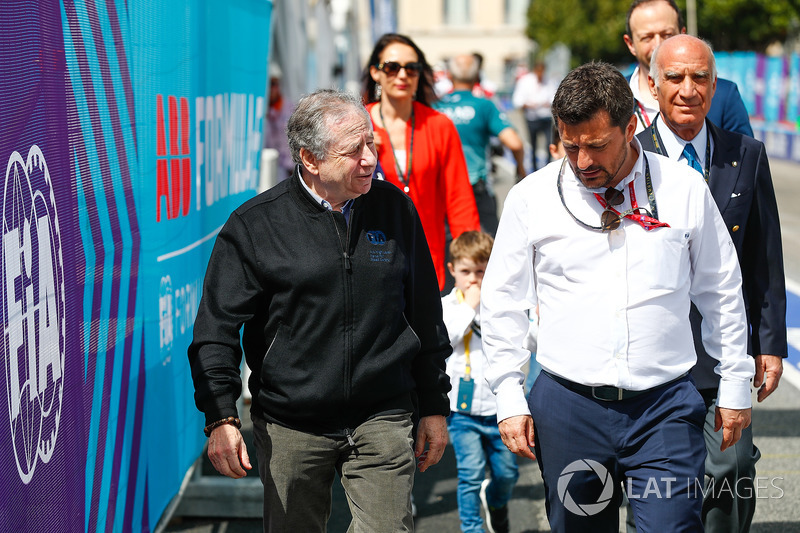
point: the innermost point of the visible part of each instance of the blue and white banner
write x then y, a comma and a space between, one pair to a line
130, 130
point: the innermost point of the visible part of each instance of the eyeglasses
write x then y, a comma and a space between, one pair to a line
610, 219
392, 68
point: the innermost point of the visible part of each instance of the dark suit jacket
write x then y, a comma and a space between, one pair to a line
728, 110
741, 183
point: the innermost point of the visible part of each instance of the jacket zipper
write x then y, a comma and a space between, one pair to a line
347, 300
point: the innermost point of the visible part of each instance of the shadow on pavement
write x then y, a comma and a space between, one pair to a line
777, 423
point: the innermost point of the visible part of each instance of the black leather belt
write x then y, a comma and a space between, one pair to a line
607, 393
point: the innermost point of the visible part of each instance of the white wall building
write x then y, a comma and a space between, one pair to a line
494, 28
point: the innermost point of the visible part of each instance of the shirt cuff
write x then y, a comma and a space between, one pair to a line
734, 395
511, 400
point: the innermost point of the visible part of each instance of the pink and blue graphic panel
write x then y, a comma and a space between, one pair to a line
770, 88
129, 130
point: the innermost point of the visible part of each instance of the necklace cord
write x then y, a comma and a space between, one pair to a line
404, 179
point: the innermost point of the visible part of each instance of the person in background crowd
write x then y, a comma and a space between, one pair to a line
648, 23
613, 274
278, 114
483, 87
473, 414
441, 81
418, 147
477, 121
338, 367
533, 93
682, 80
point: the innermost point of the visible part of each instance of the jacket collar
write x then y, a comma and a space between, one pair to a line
311, 200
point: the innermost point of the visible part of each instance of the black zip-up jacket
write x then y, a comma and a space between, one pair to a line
341, 322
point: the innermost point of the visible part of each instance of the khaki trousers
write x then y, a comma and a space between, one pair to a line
377, 473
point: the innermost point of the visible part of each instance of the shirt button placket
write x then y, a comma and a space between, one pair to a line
619, 294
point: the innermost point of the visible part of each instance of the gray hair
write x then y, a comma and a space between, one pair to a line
655, 71
464, 68
309, 124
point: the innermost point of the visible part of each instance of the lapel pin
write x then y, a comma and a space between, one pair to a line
735, 228
735, 164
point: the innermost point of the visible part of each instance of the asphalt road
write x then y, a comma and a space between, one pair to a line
776, 424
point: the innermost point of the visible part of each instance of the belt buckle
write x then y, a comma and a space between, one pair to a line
606, 399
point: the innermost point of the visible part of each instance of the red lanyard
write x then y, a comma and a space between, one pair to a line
642, 112
644, 220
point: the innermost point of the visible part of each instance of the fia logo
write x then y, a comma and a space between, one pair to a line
376, 237
32, 304
173, 170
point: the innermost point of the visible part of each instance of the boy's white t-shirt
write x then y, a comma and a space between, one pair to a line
457, 318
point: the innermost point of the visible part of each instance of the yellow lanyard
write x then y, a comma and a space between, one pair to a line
467, 337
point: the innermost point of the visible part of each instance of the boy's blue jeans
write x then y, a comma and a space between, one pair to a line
476, 441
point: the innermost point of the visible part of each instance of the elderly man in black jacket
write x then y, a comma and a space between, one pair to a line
330, 275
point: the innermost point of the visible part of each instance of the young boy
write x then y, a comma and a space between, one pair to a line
473, 418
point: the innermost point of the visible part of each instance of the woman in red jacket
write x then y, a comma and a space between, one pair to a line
418, 148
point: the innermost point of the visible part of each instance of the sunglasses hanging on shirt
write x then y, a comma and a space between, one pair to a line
610, 218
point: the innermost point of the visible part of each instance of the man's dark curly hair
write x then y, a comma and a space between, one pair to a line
590, 88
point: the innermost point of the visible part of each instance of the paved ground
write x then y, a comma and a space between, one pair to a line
776, 428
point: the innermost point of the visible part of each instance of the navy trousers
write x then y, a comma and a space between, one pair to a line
590, 450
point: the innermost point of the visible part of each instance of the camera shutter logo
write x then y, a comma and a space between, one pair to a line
585, 465
32, 292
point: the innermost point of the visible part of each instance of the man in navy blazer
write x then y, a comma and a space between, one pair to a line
648, 23
683, 81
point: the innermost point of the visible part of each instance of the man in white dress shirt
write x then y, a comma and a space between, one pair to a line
533, 93
612, 246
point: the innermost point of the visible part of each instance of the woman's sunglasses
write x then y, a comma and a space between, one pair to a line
391, 68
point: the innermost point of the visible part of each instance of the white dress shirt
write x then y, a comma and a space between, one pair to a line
649, 109
613, 306
538, 95
457, 319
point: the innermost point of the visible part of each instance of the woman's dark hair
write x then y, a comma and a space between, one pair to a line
425, 94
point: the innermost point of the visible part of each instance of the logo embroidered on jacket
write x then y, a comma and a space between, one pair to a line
376, 237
